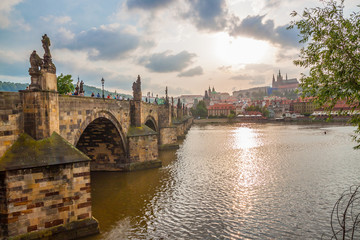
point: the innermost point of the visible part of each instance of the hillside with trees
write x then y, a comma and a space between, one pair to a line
14, 87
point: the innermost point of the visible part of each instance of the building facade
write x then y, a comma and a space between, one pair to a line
218, 110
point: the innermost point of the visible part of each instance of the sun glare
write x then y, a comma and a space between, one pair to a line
231, 50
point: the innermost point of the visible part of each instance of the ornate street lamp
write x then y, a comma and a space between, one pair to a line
102, 83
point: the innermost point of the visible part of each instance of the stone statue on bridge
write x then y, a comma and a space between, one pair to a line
166, 96
137, 89
35, 62
47, 62
46, 45
82, 88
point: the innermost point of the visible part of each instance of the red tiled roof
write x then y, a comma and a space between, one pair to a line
222, 106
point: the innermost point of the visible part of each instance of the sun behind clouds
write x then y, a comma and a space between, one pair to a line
234, 51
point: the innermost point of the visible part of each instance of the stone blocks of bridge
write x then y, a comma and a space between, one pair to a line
168, 137
45, 190
41, 113
11, 119
42, 198
102, 143
143, 148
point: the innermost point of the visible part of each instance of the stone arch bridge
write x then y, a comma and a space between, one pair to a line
101, 128
45, 187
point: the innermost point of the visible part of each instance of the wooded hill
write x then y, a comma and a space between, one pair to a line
14, 87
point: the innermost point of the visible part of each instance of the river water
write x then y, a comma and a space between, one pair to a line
236, 181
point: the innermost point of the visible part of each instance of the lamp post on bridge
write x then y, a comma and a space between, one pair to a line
102, 83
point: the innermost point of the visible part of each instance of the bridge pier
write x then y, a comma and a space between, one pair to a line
45, 191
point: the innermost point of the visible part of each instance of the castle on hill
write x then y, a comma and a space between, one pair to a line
285, 84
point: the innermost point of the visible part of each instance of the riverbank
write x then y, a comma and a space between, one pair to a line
341, 121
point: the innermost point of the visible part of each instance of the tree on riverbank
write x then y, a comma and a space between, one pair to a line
200, 110
332, 55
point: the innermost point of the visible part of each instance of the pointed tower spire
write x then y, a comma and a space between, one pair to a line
286, 77
273, 81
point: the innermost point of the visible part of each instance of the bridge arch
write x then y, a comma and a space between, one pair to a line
151, 123
101, 138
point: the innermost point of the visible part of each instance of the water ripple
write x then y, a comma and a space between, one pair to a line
245, 181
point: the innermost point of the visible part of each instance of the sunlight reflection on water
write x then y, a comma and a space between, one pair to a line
245, 138
241, 181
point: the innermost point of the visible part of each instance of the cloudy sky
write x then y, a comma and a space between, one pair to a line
184, 44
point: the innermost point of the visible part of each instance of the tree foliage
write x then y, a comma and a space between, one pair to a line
264, 111
200, 110
332, 55
64, 84
12, 87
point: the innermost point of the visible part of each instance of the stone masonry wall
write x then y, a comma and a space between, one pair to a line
3, 206
164, 114
180, 129
143, 148
42, 198
11, 119
76, 113
149, 109
168, 135
41, 113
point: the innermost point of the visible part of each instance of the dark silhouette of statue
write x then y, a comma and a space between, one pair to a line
46, 45
166, 96
137, 89
81, 87
35, 62
47, 62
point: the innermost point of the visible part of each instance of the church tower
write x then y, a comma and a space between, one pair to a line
279, 79
273, 82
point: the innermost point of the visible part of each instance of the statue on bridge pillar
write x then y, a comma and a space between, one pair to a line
135, 104
166, 97
81, 92
43, 71
172, 108
40, 102
34, 70
179, 109
47, 62
137, 89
